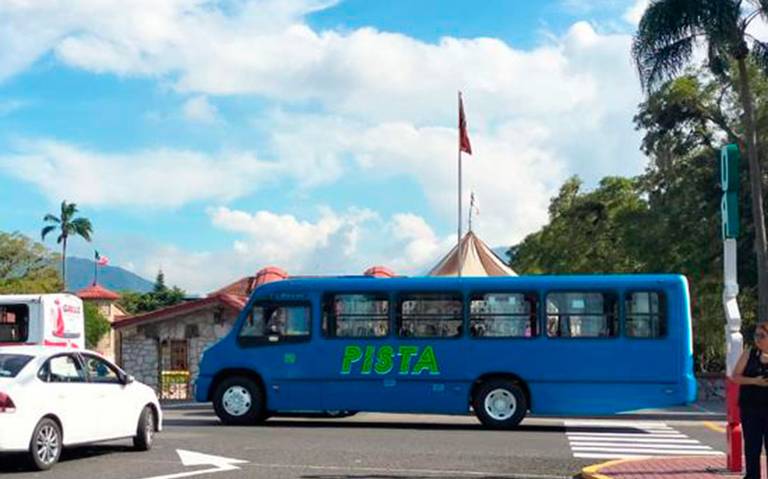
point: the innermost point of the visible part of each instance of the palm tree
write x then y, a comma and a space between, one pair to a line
664, 45
68, 226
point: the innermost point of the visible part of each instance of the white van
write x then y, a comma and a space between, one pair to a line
46, 319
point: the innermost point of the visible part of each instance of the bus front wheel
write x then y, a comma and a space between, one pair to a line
500, 404
239, 401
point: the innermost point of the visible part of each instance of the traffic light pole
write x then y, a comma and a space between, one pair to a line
734, 343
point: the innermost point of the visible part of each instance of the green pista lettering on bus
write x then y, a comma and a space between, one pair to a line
368, 361
406, 353
382, 360
351, 355
385, 360
427, 362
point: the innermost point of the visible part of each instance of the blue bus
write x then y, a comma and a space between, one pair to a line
499, 346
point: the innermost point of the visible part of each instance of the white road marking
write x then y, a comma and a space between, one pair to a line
611, 440
192, 458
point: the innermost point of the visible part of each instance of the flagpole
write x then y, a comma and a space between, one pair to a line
95, 271
458, 235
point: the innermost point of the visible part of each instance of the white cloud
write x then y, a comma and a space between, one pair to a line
334, 243
384, 105
635, 12
199, 109
151, 178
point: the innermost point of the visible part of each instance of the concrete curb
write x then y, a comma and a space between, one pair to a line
593, 471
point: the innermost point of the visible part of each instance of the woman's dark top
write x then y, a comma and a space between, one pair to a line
754, 397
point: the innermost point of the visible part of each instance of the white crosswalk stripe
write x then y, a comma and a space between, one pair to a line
606, 439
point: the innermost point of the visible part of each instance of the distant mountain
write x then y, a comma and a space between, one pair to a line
501, 252
80, 275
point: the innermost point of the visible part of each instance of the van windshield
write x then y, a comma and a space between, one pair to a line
11, 364
14, 323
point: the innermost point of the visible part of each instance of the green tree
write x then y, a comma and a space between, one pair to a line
96, 325
664, 45
588, 232
67, 225
26, 266
161, 296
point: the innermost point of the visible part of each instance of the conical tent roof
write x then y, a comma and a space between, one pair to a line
475, 257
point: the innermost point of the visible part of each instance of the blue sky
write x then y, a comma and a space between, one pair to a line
211, 138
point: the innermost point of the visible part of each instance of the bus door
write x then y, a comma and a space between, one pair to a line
278, 335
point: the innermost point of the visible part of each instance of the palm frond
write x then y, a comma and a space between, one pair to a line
760, 54
665, 62
44, 232
717, 60
81, 227
664, 42
49, 218
62, 237
68, 211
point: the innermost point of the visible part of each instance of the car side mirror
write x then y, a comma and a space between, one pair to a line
127, 379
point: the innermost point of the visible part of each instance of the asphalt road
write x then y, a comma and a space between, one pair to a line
364, 446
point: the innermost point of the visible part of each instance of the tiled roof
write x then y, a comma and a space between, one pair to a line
96, 291
232, 302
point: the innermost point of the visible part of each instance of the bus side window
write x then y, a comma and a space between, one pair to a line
430, 315
276, 320
582, 315
14, 323
356, 316
645, 314
503, 315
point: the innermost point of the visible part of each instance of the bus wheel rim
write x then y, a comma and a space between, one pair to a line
237, 401
500, 404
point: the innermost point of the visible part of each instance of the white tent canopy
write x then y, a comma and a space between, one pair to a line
475, 257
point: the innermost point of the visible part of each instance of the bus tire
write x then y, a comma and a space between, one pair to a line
500, 404
238, 400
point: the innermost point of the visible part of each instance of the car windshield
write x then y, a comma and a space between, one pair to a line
11, 364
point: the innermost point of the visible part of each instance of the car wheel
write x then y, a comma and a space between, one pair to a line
145, 431
45, 445
500, 404
239, 400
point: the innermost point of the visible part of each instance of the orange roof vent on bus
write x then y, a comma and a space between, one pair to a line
268, 275
379, 272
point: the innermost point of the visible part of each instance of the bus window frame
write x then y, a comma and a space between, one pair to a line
536, 317
20, 326
266, 339
664, 308
381, 294
398, 295
617, 293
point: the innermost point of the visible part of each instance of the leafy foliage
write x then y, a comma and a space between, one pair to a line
26, 266
161, 296
96, 325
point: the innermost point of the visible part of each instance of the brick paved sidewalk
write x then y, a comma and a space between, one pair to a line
661, 468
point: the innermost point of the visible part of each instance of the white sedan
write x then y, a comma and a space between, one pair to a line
54, 397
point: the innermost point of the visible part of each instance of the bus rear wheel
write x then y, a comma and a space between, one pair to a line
239, 401
500, 404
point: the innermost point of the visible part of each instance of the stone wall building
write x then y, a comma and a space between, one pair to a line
163, 348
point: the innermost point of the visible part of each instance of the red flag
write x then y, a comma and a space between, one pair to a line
464, 144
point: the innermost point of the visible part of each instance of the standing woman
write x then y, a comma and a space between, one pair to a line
751, 374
